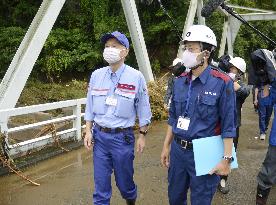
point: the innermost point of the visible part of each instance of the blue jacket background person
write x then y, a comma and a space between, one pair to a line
264, 74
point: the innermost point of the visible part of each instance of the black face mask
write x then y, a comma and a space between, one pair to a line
178, 69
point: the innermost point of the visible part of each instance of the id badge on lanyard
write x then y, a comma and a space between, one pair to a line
183, 123
111, 100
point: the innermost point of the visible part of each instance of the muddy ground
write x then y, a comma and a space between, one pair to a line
67, 178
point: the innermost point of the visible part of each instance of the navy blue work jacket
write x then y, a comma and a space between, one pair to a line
212, 105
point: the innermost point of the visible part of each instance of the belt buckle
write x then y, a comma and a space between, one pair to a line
184, 144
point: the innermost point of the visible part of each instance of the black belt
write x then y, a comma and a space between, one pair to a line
183, 143
112, 130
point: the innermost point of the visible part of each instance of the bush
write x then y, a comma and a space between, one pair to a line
10, 39
157, 90
67, 51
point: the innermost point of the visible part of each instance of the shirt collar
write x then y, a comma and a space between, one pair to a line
118, 72
204, 75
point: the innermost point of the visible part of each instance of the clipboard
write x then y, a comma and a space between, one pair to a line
208, 152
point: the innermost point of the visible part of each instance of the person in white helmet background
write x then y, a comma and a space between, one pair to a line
235, 68
202, 105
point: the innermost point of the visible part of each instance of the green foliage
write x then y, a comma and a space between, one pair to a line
155, 65
10, 39
67, 51
36, 92
73, 46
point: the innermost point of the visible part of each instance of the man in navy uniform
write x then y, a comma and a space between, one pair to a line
117, 95
202, 105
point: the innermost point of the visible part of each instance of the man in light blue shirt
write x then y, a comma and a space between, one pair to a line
117, 95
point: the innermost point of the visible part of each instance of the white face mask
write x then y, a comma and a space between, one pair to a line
232, 76
189, 60
111, 55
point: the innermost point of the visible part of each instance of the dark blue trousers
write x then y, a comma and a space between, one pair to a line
265, 111
113, 151
182, 176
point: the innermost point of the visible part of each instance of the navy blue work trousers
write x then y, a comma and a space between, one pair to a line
182, 176
113, 151
265, 112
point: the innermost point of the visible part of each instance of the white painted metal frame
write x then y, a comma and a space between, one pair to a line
195, 5
37, 143
137, 37
232, 25
28, 52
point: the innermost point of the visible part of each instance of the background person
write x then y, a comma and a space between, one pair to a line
235, 70
265, 108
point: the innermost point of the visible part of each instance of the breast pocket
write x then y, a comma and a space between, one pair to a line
180, 105
98, 98
125, 105
207, 107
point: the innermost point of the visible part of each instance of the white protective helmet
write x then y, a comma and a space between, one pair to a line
201, 33
239, 63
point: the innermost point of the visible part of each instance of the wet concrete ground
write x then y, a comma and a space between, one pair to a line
67, 179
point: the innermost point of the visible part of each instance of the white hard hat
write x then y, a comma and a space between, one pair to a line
239, 63
175, 61
201, 33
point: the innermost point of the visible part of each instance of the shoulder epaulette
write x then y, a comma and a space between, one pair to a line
221, 75
184, 74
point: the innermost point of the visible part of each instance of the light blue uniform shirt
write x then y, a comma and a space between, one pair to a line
128, 86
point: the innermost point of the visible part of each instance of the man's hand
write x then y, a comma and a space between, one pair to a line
88, 140
141, 143
165, 156
236, 86
256, 102
223, 168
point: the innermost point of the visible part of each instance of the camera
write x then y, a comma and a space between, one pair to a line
224, 63
178, 69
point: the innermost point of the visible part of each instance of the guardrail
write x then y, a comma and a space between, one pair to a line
73, 133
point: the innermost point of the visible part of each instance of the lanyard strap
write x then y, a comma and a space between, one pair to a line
118, 78
188, 99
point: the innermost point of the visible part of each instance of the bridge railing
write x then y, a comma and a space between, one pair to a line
73, 133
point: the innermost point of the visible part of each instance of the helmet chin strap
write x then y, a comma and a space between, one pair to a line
200, 64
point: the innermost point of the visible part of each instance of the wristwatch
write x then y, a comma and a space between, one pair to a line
143, 132
228, 159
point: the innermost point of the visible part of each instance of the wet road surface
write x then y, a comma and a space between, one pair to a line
67, 179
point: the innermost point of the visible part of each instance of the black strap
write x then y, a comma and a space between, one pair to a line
112, 130
183, 143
